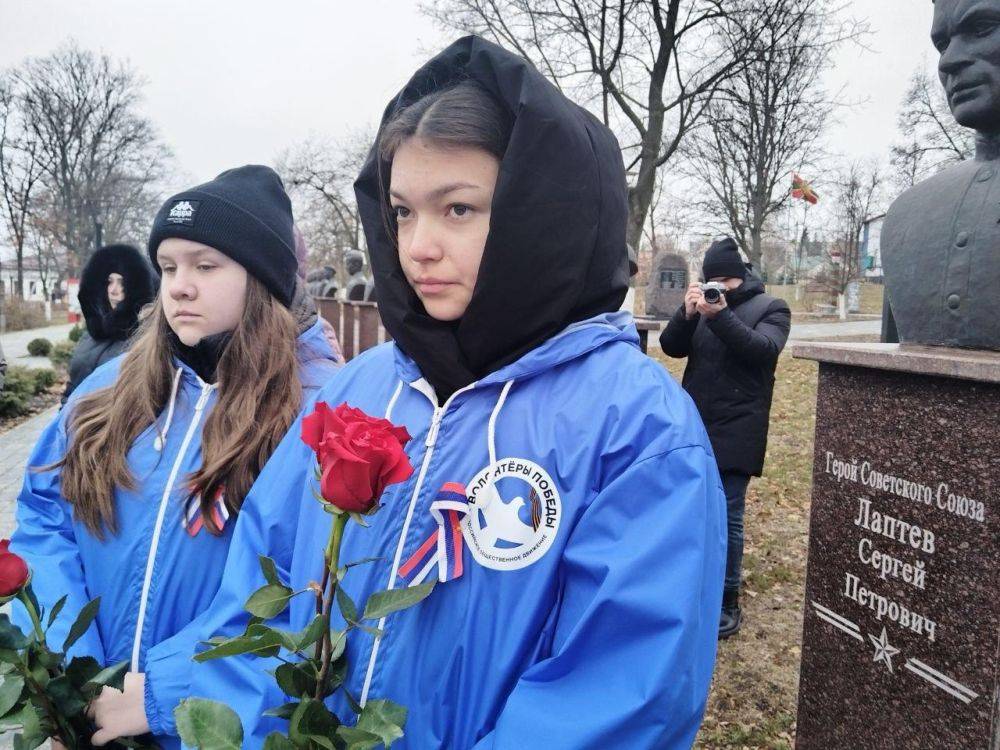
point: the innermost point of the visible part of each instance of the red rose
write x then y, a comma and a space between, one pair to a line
359, 456
13, 570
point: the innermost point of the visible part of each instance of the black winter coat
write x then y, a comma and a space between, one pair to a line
108, 329
730, 370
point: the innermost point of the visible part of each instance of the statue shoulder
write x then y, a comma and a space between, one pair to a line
929, 196
946, 180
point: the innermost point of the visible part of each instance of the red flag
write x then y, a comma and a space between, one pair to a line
803, 190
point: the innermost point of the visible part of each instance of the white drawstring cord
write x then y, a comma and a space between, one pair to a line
492, 432
392, 401
161, 437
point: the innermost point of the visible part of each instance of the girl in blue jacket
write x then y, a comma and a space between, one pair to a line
149, 464
579, 608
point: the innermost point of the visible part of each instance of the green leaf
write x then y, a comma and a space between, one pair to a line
338, 642
68, 700
267, 644
311, 633
82, 669
56, 609
11, 636
82, 624
269, 601
49, 659
347, 606
207, 725
10, 692
358, 739
15, 720
335, 676
361, 519
32, 733
269, 569
355, 706
113, 676
384, 603
283, 711
313, 722
276, 741
384, 719
294, 680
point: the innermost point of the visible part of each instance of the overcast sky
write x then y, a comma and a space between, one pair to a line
230, 83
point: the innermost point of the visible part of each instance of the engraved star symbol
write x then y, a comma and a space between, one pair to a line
883, 651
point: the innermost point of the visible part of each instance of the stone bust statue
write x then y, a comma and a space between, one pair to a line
941, 238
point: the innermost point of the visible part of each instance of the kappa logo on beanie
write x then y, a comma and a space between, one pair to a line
182, 212
244, 213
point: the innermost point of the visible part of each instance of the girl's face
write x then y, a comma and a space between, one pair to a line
203, 291
116, 289
442, 199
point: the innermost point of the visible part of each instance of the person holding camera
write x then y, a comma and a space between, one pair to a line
732, 333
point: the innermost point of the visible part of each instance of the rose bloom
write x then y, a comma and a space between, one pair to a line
13, 570
359, 455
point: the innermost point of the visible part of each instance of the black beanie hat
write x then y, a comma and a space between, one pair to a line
723, 259
244, 213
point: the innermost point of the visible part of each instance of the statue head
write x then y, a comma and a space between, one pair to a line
967, 34
355, 261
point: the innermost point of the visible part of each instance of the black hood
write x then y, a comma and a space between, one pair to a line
556, 250
140, 289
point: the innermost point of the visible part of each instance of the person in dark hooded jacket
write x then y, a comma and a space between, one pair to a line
732, 349
577, 606
116, 283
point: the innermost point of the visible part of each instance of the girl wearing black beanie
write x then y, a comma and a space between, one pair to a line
144, 471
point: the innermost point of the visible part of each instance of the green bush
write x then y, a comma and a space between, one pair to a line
61, 354
20, 385
39, 347
44, 379
12, 404
75, 333
18, 388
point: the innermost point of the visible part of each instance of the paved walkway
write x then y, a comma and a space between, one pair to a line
15, 447
821, 331
15, 344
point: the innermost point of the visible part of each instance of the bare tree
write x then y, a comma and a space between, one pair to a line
21, 167
649, 67
933, 139
102, 156
858, 198
320, 176
767, 119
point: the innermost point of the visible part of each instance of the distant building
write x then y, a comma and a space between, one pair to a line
33, 286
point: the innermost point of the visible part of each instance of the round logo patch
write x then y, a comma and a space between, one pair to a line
514, 513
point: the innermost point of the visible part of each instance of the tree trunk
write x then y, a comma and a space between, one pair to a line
842, 306
756, 254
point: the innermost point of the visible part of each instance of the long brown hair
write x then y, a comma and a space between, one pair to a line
259, 394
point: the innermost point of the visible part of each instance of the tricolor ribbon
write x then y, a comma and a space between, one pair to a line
192, 519
443, 548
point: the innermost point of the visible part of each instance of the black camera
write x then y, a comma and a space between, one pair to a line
713, 291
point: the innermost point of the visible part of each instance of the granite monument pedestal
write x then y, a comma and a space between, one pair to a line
902, 620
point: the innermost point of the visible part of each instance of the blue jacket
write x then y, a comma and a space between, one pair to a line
152, 571
587, 611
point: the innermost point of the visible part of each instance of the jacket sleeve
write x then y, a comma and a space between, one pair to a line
46, 539
635, 639
266, 525
675, 340
759, 345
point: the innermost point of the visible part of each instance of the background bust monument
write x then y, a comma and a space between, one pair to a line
941, 239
